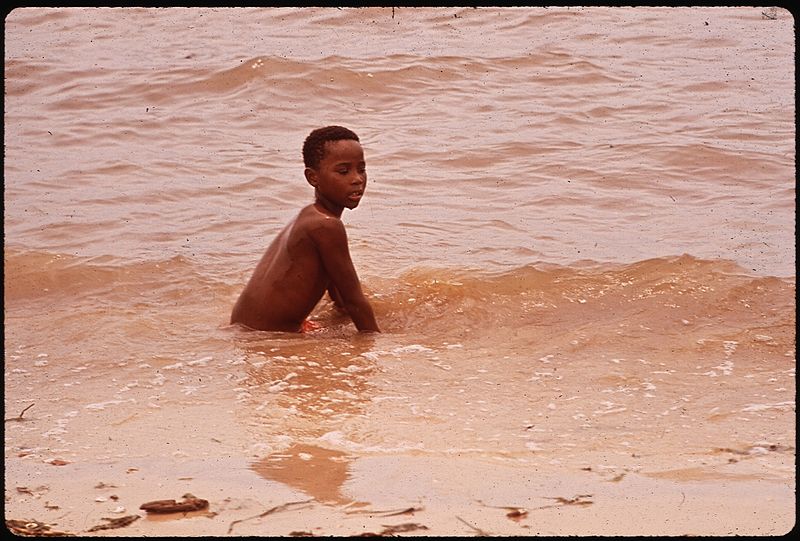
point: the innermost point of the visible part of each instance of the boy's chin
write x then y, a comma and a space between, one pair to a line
351, 204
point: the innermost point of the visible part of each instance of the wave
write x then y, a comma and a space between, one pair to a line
665, 295
35, 276
383, 77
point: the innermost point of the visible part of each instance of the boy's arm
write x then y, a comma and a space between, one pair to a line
331, 240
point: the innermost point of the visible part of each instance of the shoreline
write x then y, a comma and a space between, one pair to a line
390, 494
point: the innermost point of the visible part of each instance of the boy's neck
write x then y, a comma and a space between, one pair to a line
328, 208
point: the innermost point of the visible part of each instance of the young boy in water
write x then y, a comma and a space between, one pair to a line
311, 256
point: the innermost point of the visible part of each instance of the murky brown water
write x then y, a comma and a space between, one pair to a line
578, 237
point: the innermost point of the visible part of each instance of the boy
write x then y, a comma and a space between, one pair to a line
311, 254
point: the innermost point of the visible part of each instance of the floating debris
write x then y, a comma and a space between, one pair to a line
114, 523
269, 511
477, 530
391, 513
101, 484
33, 528
390, 530
580, 499
19, 417
514, 513
189, 503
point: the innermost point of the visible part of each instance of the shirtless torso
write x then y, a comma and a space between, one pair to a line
310, 256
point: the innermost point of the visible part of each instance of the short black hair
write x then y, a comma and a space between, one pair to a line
314, 145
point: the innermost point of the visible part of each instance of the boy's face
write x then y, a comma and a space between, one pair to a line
341, 177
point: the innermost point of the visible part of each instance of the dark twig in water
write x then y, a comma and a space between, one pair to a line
114, 523
477, 530
580, 499
21, 414
408, 511
391, 513
391, 529
515, 513
275, 509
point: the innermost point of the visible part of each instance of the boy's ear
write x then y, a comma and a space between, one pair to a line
311, 176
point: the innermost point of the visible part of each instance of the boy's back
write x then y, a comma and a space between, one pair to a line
311, 254
289, 280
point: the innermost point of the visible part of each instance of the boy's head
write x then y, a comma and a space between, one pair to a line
314, 145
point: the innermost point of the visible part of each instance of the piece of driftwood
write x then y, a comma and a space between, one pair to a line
390, 513
114, 523
189, 503
477, 530
269, 511
19, 417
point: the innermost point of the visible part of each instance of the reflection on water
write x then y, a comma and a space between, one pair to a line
306, 385
318, 472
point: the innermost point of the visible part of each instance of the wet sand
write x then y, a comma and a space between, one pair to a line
330, 494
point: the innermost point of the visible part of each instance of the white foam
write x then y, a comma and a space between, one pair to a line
373, 356
129, 386
338, 439
783, 406
172, 366
190, 389
277, 387
354, 368
413, 348
726, 367
103, 405
202, 361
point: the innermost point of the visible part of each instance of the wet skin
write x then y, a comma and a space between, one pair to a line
311, 255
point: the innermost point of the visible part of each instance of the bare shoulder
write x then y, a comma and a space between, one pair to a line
317, 223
